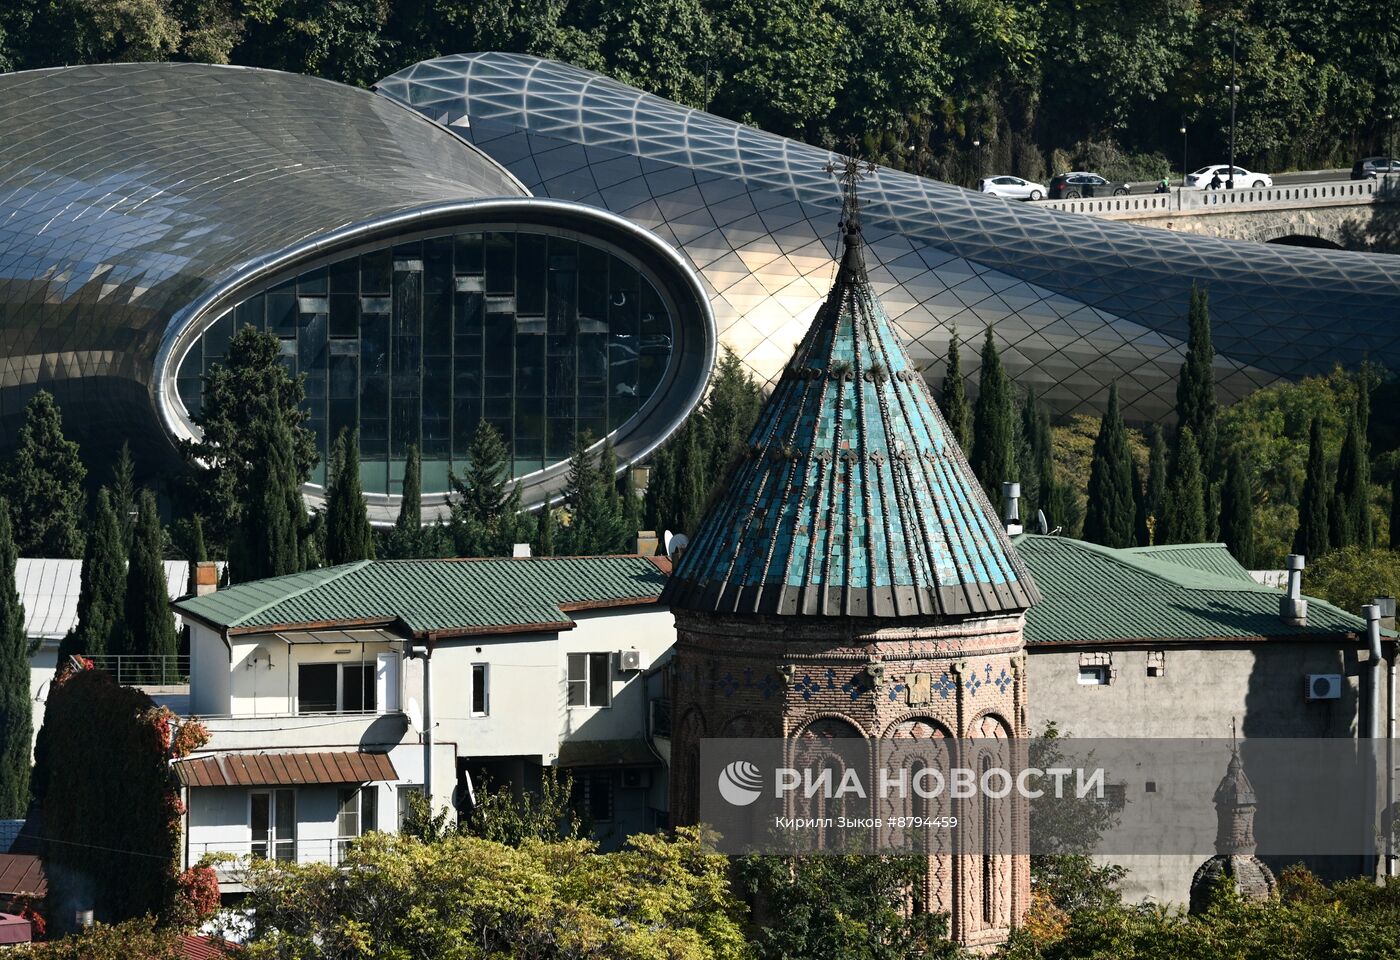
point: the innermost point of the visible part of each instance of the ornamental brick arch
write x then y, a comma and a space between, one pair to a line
915, 822
685, 766
988, 829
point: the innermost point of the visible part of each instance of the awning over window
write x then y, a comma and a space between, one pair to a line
339, 636
260, 769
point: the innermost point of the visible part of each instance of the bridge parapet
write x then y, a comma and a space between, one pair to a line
1149, 206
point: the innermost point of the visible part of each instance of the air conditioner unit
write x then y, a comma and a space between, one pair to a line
1324, 686
629, 660
636, 779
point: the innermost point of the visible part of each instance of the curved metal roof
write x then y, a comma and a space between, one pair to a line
854, 500
1078, 302
128, 190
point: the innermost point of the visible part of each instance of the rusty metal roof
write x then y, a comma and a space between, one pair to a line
261, 769
22, 875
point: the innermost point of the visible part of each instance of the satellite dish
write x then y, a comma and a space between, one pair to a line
1042, 525
415, 715
42, 694
675, 543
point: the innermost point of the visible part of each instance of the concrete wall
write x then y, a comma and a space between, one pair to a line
41, 670
1259, 686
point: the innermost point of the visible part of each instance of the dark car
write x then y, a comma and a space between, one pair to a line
1373, 167
1074, 185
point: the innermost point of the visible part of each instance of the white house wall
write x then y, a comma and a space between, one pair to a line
651, 631
526, 702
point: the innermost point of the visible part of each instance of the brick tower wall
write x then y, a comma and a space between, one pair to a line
783, 677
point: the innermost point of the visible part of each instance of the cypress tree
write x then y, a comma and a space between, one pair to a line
1184, 513
1109, 516
1195, 398
148, 626
410, 518
544, 532
1311, 538
658, 504
348, 534
631, 504
1365, 531
731, 410
1154, 491
483, 501
1237, 509
102, 590
993, 424
952, 398
195, 551
607, 474
1348, 509
268, 542
16, 716
124, 493
691, 485
595, 524
44, 485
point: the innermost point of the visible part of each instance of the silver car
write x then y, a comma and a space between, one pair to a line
1012, 188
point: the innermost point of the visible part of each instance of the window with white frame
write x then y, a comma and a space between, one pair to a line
590, 679
406, 794
357, 813
481, 691
272, 824
336, 688
1091, 675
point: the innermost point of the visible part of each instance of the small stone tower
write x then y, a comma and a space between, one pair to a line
853, 580
1234, 842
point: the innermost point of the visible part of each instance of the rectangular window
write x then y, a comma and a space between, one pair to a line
406, 793
356, 815
272, 824
592, 798
590, 679
481, 698
1095, 675
336, 688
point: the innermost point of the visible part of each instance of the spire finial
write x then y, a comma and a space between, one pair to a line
850, 169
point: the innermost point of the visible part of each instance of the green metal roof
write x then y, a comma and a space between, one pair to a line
1205, 557
435, 596
1094, 594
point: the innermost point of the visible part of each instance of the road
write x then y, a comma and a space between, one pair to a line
1280, 179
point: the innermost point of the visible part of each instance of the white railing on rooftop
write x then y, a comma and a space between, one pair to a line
137, 670
1343, 191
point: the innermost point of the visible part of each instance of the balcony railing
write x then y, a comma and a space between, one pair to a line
137, 670
290, 851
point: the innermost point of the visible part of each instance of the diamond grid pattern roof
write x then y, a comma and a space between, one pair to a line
1080, 302
435, 596
1094, 594
128, 190
854, 499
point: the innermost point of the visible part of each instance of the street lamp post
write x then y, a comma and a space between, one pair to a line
977, 145
1183, 154
1234, 91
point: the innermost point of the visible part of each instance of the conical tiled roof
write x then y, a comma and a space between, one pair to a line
854, 500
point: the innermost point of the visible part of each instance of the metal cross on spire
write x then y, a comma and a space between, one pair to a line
850, 169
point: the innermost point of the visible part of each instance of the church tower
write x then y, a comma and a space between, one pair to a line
1234, 842
853, 580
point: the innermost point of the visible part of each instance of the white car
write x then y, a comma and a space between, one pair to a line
1012, 188
1200, 180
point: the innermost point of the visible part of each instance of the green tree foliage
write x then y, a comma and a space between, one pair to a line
123, 490
993, 456
1184, 514
44, 485
505, 815
841, 906
268, 540
348, 534
249, 402
1349, 510
195, 550
730, 411
102, 590
596, 524
108, 796
659, 502
486, 518
463, 896
952, 399
409, 537
16, 715
1311, 539
543, 545
1237, 509
1353, 576
1154, 491
1112, 494
410, 519
1195, 399
139, 939
148, 626
1042, 485
1395, 511
693, 483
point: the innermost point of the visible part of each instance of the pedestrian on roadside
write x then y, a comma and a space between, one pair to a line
1215, 180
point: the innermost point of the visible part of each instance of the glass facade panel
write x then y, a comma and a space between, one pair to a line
540, 335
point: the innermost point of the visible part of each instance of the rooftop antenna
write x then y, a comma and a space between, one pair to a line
850, 169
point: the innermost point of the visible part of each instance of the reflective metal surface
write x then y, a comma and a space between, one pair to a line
1075, 302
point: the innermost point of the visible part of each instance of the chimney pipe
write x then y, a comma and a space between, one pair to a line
1011, 507
1293, 609
1372, 613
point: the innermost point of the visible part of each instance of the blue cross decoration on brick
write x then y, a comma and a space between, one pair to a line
1003, 680
896, 690
806, 686
830, 678
748, 676
767, 686
945, 685
974, 683
728, 685
855, 686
